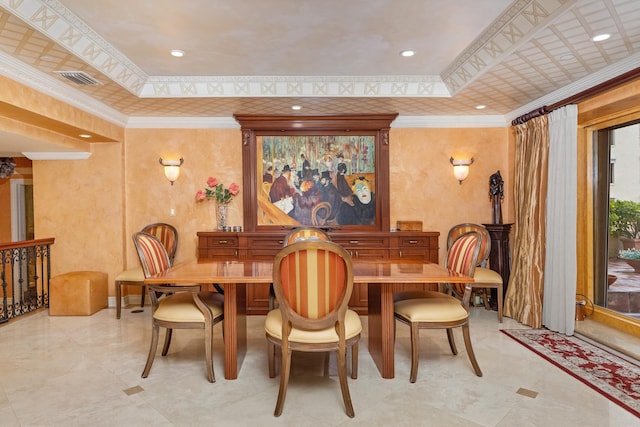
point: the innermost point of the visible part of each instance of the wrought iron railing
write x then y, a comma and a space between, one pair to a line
25, 273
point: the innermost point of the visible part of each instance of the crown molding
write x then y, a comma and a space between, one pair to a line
495, 121
182, 123
60, 155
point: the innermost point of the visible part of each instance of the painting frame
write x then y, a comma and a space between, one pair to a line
293, 132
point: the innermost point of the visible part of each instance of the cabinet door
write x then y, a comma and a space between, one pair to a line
359, 301
257, 298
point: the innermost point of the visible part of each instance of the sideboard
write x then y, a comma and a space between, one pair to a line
401, 245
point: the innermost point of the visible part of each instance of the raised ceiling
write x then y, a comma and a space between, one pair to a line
329, 57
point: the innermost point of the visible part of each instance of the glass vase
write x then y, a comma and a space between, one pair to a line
221, 215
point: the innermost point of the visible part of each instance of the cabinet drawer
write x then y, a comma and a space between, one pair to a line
218, 253
415, 242
222, 241
372, 254
272, 243
361, 242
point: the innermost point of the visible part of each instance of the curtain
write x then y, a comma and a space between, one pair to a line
523, 301
559, 302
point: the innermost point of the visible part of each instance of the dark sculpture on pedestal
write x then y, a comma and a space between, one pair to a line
496, 194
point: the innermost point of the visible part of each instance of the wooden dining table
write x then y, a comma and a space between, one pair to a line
383, 278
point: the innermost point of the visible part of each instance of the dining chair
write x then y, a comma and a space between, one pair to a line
439, 310
295, 235
484, 277
168, 235
176, 306
313, 281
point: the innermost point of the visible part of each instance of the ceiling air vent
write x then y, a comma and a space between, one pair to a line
79, 77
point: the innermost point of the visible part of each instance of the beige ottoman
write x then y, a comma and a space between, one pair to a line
78, 293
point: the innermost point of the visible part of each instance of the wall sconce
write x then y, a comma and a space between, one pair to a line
461, 168
172, 168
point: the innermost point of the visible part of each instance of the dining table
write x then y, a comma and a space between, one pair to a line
382, 277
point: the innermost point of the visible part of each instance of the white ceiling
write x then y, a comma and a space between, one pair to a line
330, 56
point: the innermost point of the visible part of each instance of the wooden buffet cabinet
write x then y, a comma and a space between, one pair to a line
402, 245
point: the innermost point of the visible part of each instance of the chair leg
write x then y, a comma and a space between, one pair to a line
118, 299
467, 344
344, 386
208, 345
415, 339
354, 361
326, 358
167, 341
452, 341
152, 350
284, 381
143, 293
500, 302
271, 355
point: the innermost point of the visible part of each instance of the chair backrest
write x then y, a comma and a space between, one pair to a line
152, 253
305, 233
462, 257
313, 281
168, 236
485, 246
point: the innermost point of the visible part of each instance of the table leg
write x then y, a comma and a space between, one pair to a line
381, 327
235, 328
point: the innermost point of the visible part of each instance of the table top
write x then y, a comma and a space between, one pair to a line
212, 271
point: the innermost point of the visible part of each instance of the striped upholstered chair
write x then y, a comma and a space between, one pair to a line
313, 281
168, 235
296, 235
176, 306
483, 278
437, 310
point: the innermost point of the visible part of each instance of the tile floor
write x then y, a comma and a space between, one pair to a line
79, 371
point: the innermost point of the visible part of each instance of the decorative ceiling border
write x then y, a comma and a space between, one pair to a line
511, 29
292, 86
59, 24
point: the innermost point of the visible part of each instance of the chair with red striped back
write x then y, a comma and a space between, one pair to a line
484, 278
298, 234
176, 306
167, 234
313, 281
438, 310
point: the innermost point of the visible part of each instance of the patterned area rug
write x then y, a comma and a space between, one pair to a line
615, 377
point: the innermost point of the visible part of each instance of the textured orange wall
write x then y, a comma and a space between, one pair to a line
422, 184
150, 197
79, 203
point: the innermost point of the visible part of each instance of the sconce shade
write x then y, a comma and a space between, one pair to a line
172, 168
461, 168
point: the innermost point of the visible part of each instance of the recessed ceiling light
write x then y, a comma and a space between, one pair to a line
408, 53
296, 107
480, 107
567, 57
84, 135
46, 58
601, 37
177, 53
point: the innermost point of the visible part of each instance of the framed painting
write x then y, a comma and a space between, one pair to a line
315, 172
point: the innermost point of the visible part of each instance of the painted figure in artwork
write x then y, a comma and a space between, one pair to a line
496, 194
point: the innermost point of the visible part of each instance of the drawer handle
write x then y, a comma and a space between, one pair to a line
281, 242
354, 242
413, 242
223, 242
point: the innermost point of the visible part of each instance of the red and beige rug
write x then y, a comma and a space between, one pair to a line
613, 376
